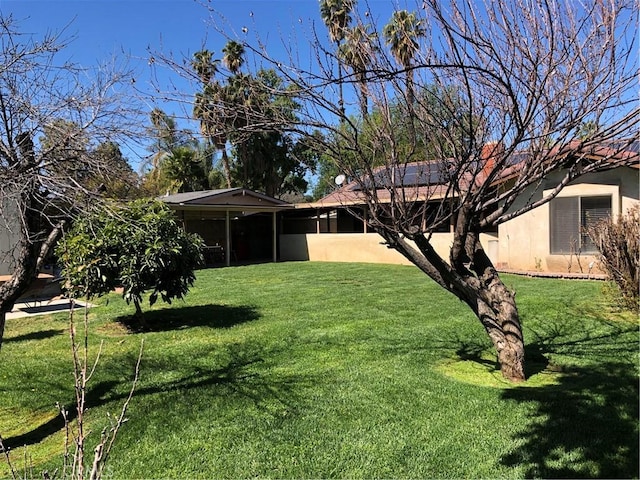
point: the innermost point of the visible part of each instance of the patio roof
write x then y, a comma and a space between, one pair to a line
227, 204
227, 199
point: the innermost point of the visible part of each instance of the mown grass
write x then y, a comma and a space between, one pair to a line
303, 370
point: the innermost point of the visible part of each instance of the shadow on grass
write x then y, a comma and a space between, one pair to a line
213, 316
586, 425
481, 351
236, 376
39, 335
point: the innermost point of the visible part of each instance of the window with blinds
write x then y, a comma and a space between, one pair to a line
570, 218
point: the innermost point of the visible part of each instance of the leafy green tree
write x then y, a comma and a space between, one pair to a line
325, 180
234, 110
434, 107
267, 159
139, 246
178, 162
165, 134
66, 146
278, 164
186, 170
101, 169
117, 180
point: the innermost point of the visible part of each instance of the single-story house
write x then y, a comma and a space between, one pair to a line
549, 238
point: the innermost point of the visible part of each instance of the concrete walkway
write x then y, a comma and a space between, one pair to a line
43, 307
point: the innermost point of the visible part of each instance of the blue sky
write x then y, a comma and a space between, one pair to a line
130, 28
104, 26
103, 29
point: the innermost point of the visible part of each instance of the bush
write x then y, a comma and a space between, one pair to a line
138, 246
619, 247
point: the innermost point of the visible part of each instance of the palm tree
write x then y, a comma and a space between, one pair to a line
233, 56
336, 15
402, 34
357, 53
204, 65
209, 107
185, 170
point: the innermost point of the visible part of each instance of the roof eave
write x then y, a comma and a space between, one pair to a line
230, 207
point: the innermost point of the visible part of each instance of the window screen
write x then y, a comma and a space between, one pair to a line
565, 220
592, 210
570, 217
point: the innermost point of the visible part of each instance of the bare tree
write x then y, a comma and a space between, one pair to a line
503, 90
53, 117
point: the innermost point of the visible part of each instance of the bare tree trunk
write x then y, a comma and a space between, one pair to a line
482, 290
497, 311
22, 276
226, 167
502, 323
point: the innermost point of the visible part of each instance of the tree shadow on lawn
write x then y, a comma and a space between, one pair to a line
236, 377
213, 316
585, 425
39, 335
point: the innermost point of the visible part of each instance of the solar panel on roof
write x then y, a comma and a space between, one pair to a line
409, 175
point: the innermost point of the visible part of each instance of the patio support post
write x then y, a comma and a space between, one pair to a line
274, 225
227, 232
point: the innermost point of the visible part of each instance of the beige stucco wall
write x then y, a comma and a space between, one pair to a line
521, 244
524, 242
360, 247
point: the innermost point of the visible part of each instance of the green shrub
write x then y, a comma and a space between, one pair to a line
138, 246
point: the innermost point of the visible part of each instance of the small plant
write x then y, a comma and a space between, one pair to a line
619, 247
139, 246
574, 251
76, 463
538, 263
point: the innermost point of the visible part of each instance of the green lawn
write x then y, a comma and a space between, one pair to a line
301, 370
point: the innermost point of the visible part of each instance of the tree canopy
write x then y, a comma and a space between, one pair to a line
138, 246
244, 111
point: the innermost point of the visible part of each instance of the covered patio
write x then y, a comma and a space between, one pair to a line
236, 224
